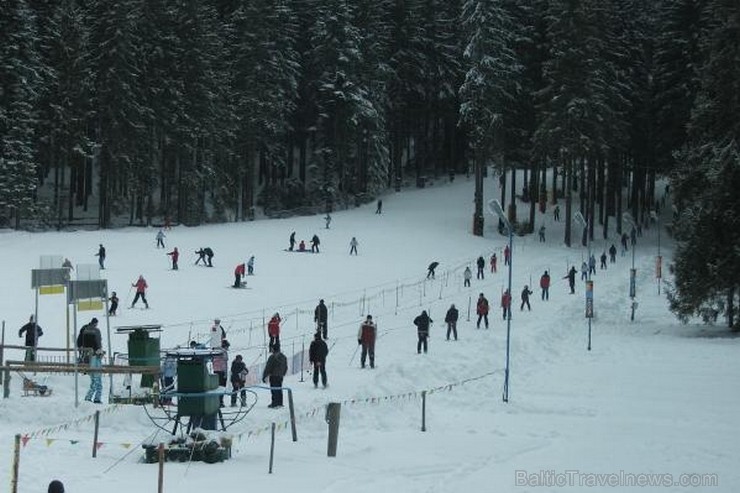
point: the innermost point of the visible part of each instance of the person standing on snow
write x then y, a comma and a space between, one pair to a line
379, 208
481, 308
32, 331
160, 239
275, 369
315, 244
525, 298
366, 338
91, 350
507, 255
493, 263
451, 321
292, 241
101, 257
481, 264
467, 275
545, 286
239, 271
321, 317
250, 266
201, 253
328, 220
592, 264
422, 323
584, 271
542, 233
141, 287
113, 304
273, 330
317, 353
238, 379
603, 260
613, 254
175, 255
353, 246
571, 277
506, 304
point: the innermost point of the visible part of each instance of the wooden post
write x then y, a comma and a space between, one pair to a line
95, 435
423, 410
272, 445
160, 477
332, 418
291, 408
6, 384
16, 464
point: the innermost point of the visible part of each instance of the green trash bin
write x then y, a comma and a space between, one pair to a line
143, 350
193, 377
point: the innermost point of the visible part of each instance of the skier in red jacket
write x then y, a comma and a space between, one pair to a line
238, 274
175, 255
141, 287
273, 330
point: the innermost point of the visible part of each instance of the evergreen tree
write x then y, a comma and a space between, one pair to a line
707, 226
20, 67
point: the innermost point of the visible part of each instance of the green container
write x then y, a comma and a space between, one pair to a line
193, 377
143, 351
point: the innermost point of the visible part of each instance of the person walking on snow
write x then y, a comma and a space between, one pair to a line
328, 220
101, 257
481, 308
430, 270
545, 286
542, 233
317, 353
507, 255
238, 379
584, 271
275, 369
592, 264
353, 246
315, 244
32, 332
160, 239
273, 331
239, 272
556, 213
91, 352
379, 208
481, 264
422, 323
525, 298
493, 263
321, 317
624, 240
141, 287
571, 277
506, 304
603, 260
175, 255
467, 275
366, 338
451, 321
250, 266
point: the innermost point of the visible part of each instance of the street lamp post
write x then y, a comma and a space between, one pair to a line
627, 217
494, 206
589, 283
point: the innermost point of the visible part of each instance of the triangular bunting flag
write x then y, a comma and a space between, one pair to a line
25, 439
49, 441
126, 445
74, 442
98, 445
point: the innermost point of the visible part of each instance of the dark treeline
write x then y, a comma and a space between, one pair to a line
133, 111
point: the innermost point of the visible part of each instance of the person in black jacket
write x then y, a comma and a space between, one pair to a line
320, 316
525, 298
451, 320
430, 270
317, 353
481, 263
275, 369
422, 323
91, 348
32, 331
238, 379
571, 277
315, 244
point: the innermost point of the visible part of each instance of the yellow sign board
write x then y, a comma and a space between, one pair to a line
55, 289
87, 305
